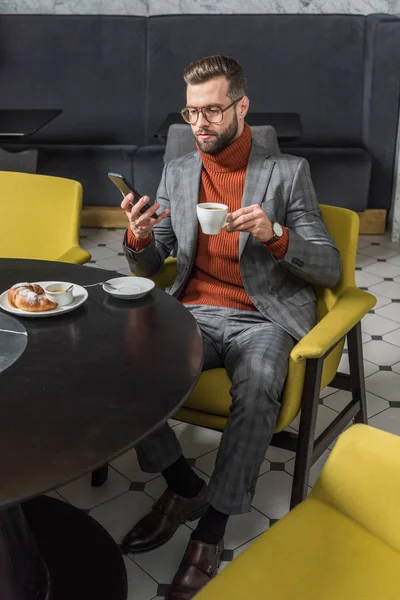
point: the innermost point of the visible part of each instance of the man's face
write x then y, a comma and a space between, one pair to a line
214, 137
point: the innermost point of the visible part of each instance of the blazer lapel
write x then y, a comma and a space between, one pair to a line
190, 192
258, 174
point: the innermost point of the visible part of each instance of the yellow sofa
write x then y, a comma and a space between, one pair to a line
342, 543
40, 218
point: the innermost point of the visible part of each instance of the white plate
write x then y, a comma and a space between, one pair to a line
129, 288
79, 293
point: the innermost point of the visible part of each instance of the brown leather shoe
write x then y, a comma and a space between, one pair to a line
199, 565
166, 515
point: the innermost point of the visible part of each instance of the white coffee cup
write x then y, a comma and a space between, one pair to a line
212, 217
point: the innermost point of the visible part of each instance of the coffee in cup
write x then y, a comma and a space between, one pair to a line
212, 217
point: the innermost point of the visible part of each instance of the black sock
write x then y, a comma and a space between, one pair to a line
182, 480
211, 527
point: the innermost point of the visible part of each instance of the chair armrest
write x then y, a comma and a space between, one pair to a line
166, 275
361, 479
75, 255
349, 309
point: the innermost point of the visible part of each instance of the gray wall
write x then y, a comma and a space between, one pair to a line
165, 7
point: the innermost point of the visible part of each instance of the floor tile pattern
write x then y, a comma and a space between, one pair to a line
129, 493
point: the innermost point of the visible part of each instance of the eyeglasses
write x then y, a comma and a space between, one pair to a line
212, 114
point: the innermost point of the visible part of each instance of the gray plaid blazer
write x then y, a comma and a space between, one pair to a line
280, 289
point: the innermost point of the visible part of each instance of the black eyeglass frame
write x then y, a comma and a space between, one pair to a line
201, 108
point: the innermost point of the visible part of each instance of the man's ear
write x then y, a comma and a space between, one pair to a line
244, 105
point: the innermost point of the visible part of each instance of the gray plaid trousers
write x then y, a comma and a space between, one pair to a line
255, 352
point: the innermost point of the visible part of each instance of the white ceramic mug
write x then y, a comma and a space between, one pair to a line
56, 292
212, 217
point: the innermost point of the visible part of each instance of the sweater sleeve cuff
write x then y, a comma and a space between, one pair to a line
134, 244
279, 247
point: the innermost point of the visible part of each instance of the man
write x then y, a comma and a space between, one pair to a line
249, 289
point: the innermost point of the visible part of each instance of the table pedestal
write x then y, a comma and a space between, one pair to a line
51, 550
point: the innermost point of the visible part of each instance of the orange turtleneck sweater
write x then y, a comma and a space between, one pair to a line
215, 279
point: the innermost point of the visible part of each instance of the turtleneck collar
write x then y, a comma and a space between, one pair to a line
232, 158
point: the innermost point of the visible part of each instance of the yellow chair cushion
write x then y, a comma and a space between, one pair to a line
40, 217
315, 553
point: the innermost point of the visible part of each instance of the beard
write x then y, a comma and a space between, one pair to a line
219, 141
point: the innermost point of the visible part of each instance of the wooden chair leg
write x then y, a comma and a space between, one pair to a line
305, 442
100, 476
357, 377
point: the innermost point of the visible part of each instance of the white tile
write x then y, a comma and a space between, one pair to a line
140, 585
315, 469
365, 280
113, 264
340, 400
80, 493
162, 563
393, 337
397, 279
383, 269
369, 367
196, 441
104, 236
87, 244
273, 492
127, 464
388, 420
325, 416
242, 528
117, 246
377, 252
384, 384
393, 245
376, 325
326, 391
363, 243
381, 301
395, 260
390, 289
370, 238
173, 422
381, 353
120, 514
391, 311
93, 265
278, 454
101, 252
364, 261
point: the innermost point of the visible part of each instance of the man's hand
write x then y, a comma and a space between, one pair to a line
253, 219
140, 224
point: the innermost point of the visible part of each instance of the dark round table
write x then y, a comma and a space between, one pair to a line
77, 390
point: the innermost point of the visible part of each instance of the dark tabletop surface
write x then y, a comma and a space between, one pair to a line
90, 383
287, 125
24, 121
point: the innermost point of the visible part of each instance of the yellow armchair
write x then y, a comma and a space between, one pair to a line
312, 366
343, 542
40, 218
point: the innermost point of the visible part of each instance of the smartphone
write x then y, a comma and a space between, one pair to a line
127, 188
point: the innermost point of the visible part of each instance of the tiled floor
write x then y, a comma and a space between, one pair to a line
129, 493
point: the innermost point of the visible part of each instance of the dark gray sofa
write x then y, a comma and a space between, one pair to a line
117, 78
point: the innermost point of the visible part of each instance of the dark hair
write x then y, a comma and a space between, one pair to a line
214, 66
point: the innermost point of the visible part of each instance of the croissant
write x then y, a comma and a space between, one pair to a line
29, 296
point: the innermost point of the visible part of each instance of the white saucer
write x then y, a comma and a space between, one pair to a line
129, 288
79, 293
